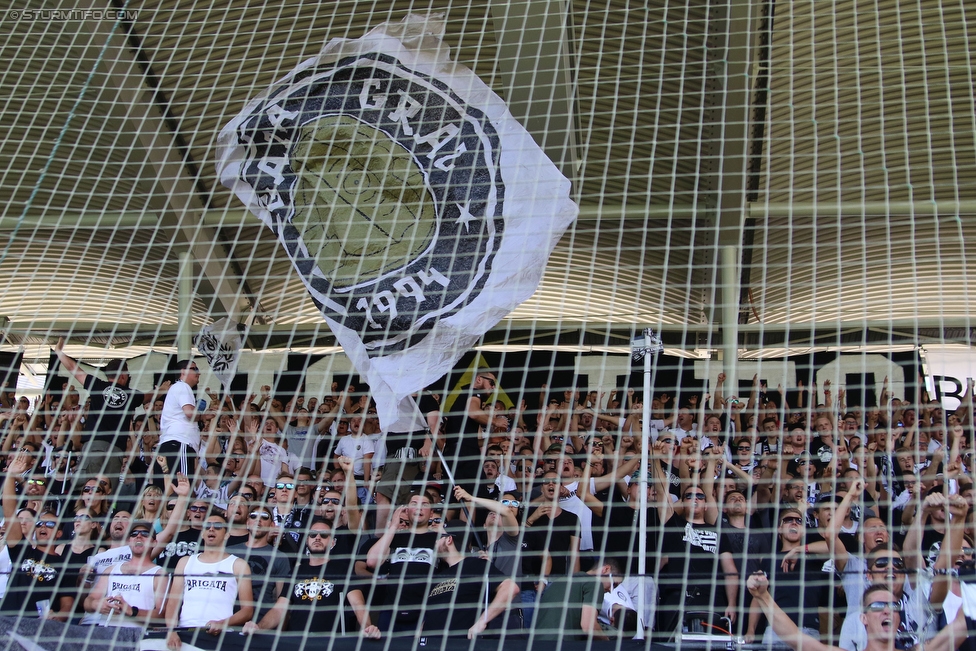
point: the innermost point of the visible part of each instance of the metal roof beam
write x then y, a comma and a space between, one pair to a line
236, 218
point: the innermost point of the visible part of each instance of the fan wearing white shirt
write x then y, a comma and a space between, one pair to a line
179, 441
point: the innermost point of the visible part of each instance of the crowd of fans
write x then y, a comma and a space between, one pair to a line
298, 514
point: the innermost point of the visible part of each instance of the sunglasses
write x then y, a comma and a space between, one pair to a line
198, 509
883, 562
434, 521
170, 507
792, 520
557, 438
284, 486
879, 606
318, 534
37, 482
139, 533
695, 497
92, 489
216, 526
744, 448
549, 482
48, 524
596, 444
260, 515
514, 503
331, 500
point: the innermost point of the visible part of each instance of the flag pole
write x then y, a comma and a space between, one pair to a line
467, 514
644, 349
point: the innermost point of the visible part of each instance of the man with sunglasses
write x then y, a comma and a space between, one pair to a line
179, 439
211, 591
796, 582
130, 593
38, 586
289, 519
884, 566
269, 566
312, 602
689, 562
878, 612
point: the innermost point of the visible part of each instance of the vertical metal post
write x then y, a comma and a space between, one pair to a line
184, 335
730, 315
642, 514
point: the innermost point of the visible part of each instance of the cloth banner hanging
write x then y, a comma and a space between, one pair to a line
221, 343
416, 210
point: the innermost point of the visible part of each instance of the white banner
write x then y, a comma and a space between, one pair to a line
221, 344
417, 211
947, 369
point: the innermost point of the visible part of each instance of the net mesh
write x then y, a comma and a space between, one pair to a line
779, 190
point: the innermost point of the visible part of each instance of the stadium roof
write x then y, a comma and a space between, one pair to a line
833, 143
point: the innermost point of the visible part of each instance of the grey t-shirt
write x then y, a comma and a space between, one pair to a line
302, 443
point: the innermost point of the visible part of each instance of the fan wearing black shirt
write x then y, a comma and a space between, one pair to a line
408, 557
553, 534
689, 564
38, 584
112, 406
469, 414
269, 566
468, 593
311, 602
795, 582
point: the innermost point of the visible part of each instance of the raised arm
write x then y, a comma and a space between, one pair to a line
354, 514
17, 468
70, 365
504, 596
182, 489
838, 551
509, 520
779, 621
718, 400
952, 543
380, 550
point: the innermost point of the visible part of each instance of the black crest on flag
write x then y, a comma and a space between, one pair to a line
385, 189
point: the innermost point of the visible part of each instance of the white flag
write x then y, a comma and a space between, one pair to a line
417, 211
221, 344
